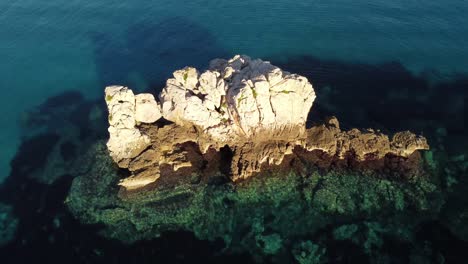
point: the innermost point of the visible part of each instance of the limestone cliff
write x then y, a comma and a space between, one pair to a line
238, 117
237, 98
125, 111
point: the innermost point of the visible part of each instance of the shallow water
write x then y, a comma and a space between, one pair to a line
50, 47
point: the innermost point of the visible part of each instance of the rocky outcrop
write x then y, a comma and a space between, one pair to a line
362, 145
236, 98
236, 118
147, 110
331, 142
125, 111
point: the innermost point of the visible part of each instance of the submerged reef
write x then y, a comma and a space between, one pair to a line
226, 155
264, 215
8, 224
54, 133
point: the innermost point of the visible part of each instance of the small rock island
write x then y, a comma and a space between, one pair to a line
237, 117
230, 155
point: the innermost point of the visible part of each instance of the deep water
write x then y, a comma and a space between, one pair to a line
391, 65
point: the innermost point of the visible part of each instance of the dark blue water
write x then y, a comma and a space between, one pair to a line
48, 47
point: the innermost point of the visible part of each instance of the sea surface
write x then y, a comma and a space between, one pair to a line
48, 47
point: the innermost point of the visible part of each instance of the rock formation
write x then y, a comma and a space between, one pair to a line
125, 111
259, 187
236, 118
238, 98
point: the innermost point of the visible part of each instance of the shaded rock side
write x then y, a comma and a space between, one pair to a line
176, 152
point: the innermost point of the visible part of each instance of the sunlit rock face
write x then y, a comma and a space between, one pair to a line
237, 118
239, 97
125, 111
147, 110
361, 144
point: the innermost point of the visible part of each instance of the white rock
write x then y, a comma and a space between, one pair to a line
197, 102
147, 110
121, 105
125, 141
234, 98
187, 77
239, 96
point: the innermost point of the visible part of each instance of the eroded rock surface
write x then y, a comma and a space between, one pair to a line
177, 152
125, 111
237, 118
239, 97
363, 145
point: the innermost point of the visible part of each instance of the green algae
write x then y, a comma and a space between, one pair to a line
270, 244
307, 252
262, 215
8, 224
254, 92
345, 232
241, 98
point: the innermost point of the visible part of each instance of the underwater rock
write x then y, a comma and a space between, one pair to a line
251, 110
454, 171
8, 224
307, 252
54, 133
263, 215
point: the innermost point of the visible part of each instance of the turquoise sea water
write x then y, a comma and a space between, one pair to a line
48, 47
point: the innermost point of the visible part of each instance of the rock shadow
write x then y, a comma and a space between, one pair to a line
384, 96
151, 52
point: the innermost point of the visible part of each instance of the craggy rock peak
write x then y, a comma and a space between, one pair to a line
236, 118
237, 98
125, 111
